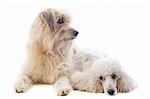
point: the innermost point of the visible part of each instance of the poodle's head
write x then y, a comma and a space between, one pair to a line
111, 78
53, 31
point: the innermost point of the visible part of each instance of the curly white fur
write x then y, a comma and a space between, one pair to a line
89, 67
53, 59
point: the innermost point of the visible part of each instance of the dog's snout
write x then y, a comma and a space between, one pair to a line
111, 91
75, 33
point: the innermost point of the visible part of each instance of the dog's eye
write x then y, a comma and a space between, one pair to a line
113, 76
60, 20
101, 78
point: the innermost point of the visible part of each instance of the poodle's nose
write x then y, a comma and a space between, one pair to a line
111, 91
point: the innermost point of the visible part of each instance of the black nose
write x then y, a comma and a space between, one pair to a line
75, 33
111, 91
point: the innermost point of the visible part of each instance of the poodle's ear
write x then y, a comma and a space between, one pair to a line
49, 18
98, 87
125, 83
101, 90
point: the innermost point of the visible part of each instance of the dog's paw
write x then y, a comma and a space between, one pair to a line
23, 85
64, 91
63, 86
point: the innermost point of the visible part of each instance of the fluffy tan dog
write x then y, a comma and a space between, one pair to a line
53, 59
50, 47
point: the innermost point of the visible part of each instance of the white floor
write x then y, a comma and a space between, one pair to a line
46, 91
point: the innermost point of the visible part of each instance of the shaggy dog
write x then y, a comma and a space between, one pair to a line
53, 59
50, 46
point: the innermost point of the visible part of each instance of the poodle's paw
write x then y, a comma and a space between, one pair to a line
63, 86
64, 91
23, 85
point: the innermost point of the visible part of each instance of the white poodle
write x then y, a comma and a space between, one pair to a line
53, 59
95, 72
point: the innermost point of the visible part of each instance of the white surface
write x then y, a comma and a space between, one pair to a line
120, 28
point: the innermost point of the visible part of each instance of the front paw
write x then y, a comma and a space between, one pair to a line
63, 86
64, 91
23, 85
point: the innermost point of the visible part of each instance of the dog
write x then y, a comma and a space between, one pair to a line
49, 47
53, 58
98, 73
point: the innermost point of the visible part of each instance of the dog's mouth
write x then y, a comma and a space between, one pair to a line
73, 37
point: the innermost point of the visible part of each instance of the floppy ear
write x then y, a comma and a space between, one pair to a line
96, 86
100, 88
49, 18
125, 83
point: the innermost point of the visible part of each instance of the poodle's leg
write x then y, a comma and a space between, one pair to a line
23, 84
62, 85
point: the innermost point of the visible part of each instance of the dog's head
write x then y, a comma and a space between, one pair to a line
111, 78
52, 28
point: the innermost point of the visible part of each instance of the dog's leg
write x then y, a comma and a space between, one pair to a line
62, 85
23, 84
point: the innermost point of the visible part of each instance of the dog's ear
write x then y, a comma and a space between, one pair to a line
125, 83
98, 87
49, 19
101, 89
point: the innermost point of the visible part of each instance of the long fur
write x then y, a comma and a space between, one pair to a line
53, 59
49, 46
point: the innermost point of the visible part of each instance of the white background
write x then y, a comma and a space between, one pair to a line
120, 28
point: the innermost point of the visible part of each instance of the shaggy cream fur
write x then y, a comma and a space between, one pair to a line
50, 45
53, 59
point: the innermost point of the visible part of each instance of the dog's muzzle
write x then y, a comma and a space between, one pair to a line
111, 92
74, 34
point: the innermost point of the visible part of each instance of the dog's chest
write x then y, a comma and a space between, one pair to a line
44, 70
